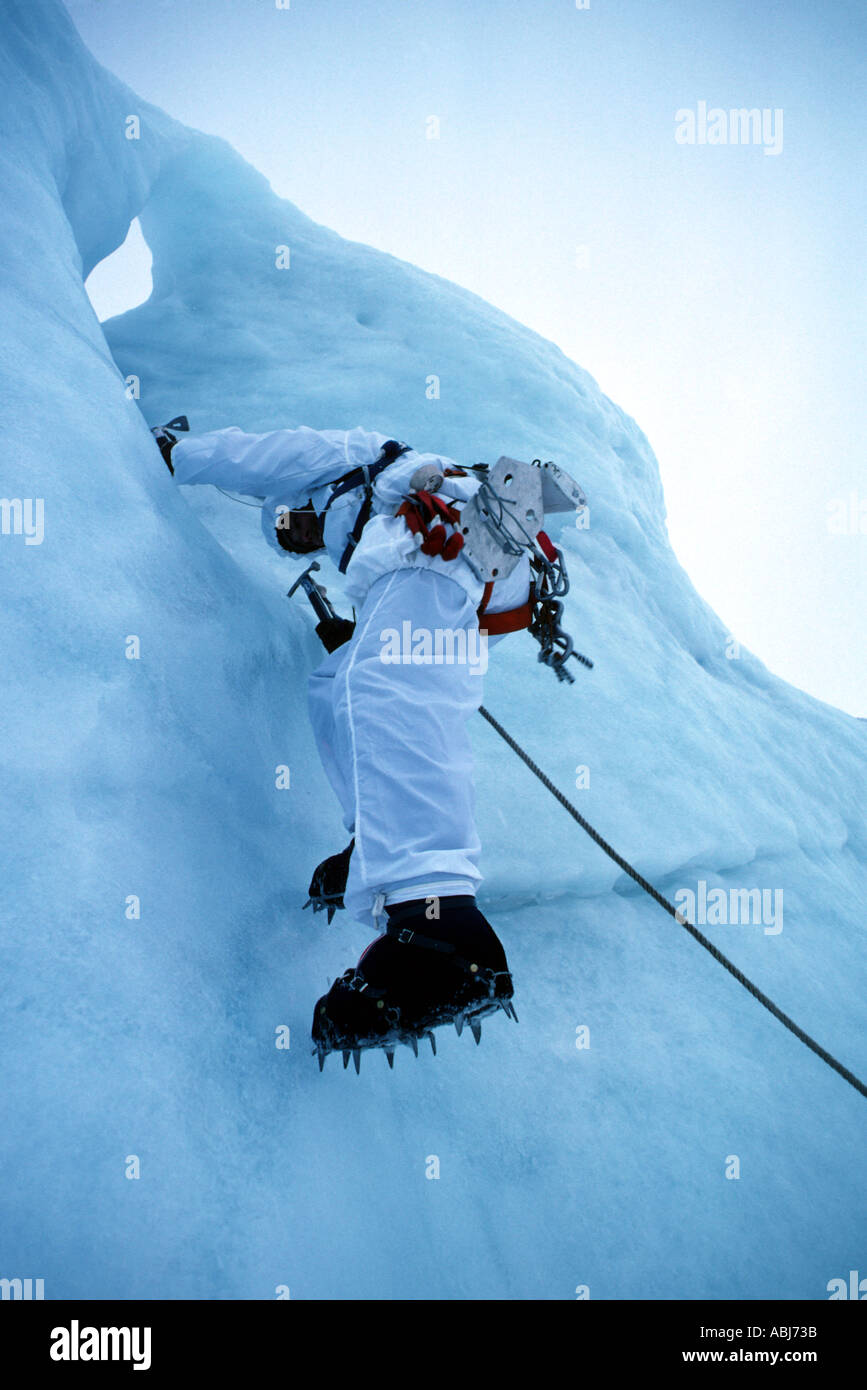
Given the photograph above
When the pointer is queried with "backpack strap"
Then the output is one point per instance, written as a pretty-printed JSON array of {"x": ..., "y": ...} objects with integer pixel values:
[{"x": 363, "y": 476}]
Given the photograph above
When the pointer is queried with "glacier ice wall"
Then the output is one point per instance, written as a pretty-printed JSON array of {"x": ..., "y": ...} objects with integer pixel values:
[{"x": 146, "y": 774}]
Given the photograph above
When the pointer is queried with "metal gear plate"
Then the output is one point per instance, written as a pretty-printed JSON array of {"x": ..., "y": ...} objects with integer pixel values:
[{"x": 509, "y": 509}]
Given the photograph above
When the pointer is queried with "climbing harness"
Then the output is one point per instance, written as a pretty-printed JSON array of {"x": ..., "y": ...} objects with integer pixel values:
[
  {"x": 502, "y": 523},
  {"x": 541, "y": 614}
]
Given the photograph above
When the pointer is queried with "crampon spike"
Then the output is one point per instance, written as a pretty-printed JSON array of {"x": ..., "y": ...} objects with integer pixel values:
[
  {"x": 476, "y": 1030},
  {"x": 459, "y": 1024},
  {"x": 413, "y": 1042},
  {"x": 389, "y": 1052},
  {"x": 345, "y": 1058},
  {"x": 433, "y": 1044},
  {"x": 356, "y": 1057},
  {"x": 321, "y": 1054}
]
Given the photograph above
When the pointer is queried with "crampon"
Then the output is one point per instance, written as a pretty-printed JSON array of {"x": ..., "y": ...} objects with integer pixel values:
[{"x": 421, "y": 975}]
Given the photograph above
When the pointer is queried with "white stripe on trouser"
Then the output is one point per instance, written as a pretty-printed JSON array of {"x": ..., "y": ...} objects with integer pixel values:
[{"x": 394, "y": 743}]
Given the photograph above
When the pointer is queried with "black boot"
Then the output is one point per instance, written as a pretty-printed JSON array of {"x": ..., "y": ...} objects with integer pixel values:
[
  {"x": 422, "y": 973},
  {"x": 328, "y": 883}
]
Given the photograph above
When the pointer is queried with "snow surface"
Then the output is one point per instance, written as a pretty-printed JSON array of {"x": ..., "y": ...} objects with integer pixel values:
[{"x": 155, "y": 1037}]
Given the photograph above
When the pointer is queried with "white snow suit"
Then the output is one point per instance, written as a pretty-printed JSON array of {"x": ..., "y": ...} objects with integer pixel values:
[{"x": 389, "y": 709}]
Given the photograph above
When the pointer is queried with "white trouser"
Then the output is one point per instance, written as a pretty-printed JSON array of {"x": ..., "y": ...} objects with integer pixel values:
[{"x": 394, "y": 742}]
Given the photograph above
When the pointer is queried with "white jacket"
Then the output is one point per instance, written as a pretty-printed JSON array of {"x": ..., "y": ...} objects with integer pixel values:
[{"x": 290, "y": 467}]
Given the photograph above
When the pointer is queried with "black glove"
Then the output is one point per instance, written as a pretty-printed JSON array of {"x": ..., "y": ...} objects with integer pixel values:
[
  {"x": 328, "y": 883},
  {"x": 333, "y": 632},
  {"x": 166, "y": 440},
  {"x": 166, "y": 443}
]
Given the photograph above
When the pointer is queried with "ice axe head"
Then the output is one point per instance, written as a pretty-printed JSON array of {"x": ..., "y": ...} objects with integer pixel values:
[{"x": 300, "y": 580}]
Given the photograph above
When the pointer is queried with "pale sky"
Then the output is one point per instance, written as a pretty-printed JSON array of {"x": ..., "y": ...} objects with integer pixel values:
[{"x": 715, "y": 292}]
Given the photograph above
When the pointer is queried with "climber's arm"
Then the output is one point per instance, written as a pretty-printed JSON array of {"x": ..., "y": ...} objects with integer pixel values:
[
  {"x": 414, "y": 471},
  {"x": 282, "y": 462}
]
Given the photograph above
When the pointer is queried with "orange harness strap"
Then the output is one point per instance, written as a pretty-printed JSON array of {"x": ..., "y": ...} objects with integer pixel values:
[{"x": 512, "y": 620}]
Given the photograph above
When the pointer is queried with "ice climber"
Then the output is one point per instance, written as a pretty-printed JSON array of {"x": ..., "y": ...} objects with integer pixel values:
[{"x": 389, "y": 717}]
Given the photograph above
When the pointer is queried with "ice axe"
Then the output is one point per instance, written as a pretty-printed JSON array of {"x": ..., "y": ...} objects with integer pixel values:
[{"x": 332, "y": 630}]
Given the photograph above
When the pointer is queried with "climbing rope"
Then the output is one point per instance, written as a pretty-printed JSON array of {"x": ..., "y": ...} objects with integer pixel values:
[{"x": 673, "y": 912}]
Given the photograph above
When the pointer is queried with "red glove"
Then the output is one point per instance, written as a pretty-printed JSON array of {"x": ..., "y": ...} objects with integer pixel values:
[{"x": 427, "y": 515}]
